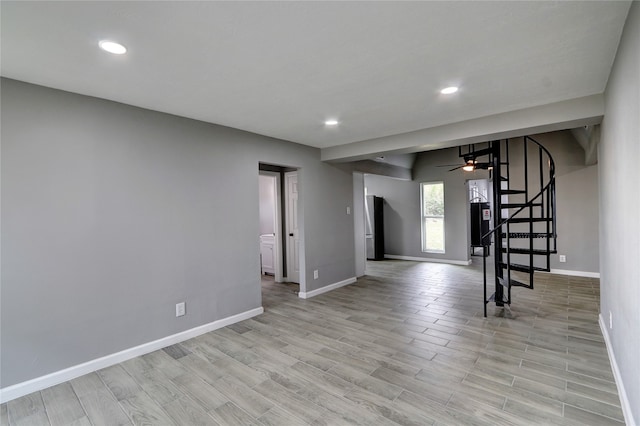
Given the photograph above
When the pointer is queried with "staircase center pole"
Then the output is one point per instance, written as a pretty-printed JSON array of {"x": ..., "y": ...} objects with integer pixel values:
[{"x": 497, "y": 214}]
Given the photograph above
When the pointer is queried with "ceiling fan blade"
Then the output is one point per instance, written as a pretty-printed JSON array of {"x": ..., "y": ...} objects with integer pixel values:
[
  {"x": 448, "y": 165},
  {"x": 456, "y": 168},
  {"x": 483, "y": 166}
]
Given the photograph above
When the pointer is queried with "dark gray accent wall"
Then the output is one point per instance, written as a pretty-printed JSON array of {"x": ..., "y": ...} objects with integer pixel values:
[
  {"x": 618, "y": 155},
  {"x": 112, "y": 214}
]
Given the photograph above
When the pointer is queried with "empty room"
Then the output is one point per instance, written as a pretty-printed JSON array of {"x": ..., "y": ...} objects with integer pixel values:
[{"x": 319, "y": 213}]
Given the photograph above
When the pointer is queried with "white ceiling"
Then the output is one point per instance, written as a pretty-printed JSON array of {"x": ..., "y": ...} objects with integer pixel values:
[{"x": 281, "y": 68}]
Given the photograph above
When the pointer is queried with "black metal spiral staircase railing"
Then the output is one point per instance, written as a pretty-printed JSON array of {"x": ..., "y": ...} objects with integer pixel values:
[{"x": 524, "y": 220}]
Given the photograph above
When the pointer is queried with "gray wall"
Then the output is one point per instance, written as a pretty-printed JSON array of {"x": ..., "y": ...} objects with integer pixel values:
[
  {"x": 618, "y": 154},
  {"x": 359, "y": 223},
  {"x": 577, "y": 203},
  {"x": 402, "y": 206},
  {"x": 577, "y": 199},
  {"x": 112, "y": 214}
]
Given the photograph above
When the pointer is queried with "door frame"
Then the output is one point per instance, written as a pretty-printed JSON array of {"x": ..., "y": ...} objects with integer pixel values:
[
  {"x": 489, "y": 199},
  {"x": 286, "y": 217},
  {"x": 277, "y": 218},
  {"x": 359, "y": 233}
]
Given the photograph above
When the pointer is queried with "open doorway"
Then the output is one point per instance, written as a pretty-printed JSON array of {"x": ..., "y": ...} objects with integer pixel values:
[
  {"x": 279, "y": 233},
  {"x": 481, "y": 214}
]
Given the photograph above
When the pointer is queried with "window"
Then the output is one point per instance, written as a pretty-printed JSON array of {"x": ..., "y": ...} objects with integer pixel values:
[{"x": 432, "y": 217}]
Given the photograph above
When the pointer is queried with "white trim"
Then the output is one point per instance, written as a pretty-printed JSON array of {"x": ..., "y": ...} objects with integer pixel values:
[
  {"x": 575, "y": 273},
  {"x": 308, "y": 294},
  {"x": 624, "y": 400},
  {"x": 20, "y": 389},
  {"x": 428, "y": 259}
]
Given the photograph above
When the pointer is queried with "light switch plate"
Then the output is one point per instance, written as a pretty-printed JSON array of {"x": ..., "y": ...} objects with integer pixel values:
[{"x": 180, "y": 309}]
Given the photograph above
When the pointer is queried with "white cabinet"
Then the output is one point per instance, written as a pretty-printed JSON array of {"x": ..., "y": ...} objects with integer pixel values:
[{"x": 267, "y": 255}]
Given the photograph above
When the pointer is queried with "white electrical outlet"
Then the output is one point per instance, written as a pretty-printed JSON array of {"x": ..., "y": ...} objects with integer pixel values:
[
  {"x": 563, "y": 258},
  {"x": 315, "y": 274},
  {"x": 348, "y": 210},
  {"x": 610, "y": 320},
  {"x": 180, "y": 309}
]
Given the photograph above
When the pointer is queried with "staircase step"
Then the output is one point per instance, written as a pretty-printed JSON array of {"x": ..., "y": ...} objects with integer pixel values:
[
  {"x": 518, "y": 205},
  {"x": 522, "y": 268},
  {"x": 528, "y": 251},
  {"x": 512, "y": 191},
  {"x": 513, "y": 283},
  {"x": 526, "y": 219},
  {"x": 527, "y": 235}
]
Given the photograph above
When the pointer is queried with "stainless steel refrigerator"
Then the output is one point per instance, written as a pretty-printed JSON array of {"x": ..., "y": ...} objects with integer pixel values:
[{"x": 374, "y": 227}]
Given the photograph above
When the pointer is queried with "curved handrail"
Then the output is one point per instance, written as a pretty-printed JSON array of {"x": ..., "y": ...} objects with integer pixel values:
[
  {"x": 529, "y": 203},
  {"x": 552, "y": 164}
]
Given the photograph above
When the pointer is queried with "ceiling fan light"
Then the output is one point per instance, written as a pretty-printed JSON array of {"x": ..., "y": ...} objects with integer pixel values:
[{"x": 469, "y": 167}]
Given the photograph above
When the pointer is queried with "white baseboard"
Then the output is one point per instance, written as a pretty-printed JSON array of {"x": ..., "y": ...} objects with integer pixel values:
[
  {"x": 308, "y": 294},
  {"x": 428, "y": 259},
  {"x": 43, "y": 382},
  {"x": 575, "y": 273},
  {"x": 624, "y": 400}
]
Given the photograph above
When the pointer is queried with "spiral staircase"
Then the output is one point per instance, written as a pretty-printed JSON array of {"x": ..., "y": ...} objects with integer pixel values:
[{"x": 524, "y": 220}]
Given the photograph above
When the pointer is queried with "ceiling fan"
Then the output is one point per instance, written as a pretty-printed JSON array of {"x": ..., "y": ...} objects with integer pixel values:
[{"x": 470, "y": 165}]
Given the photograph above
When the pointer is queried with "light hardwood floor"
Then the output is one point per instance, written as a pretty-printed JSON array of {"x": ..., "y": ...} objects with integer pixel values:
[{"x": 406, "y": 344}]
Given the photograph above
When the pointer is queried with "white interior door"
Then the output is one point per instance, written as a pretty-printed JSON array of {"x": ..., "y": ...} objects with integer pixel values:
[
  {"x": 293, "y": 243},
  {"x": 271, "y": 245}
]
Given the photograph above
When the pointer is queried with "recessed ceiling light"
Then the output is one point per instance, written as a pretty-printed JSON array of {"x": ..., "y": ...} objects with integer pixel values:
[
  {"x": 449, "y": 90},
  {"x": 331, "y": 122},
  {"x": 112, "y": 47}
]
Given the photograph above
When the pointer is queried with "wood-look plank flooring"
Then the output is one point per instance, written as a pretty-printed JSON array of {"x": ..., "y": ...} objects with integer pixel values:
[{"x": 405, "y": 345}]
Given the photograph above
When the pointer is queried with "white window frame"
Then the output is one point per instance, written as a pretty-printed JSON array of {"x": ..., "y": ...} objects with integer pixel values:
[{"x": 423, "y": 217}]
